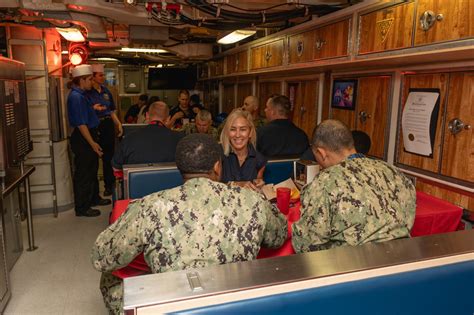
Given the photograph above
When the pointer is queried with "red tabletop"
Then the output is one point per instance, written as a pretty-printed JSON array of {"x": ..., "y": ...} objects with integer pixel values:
[{"x": 433, "y": 215}]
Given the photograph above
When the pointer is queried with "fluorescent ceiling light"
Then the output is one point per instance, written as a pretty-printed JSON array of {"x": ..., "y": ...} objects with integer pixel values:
[
  {"x": 142, "y": 50},
  {"x": 236, "y": 36},
  {"x": 64, "y": 52},
  {"x": 104, "y": 59},
  {"x": 71, "y": 34}
]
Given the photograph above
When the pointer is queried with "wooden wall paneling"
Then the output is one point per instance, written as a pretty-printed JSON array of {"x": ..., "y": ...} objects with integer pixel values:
[
  {"x": 386, "y": 29},
  {"x": 308, "y": 106},
  {"x": 326, "y": 96},
  {"x": 440, "y": 81},
  {"x": 274, "y": 54},
  {"x": 460, "y": 199},
  {"x": 458, "y": 149},
  {"x": 237, "y": 63},
  {"x": 219, "y": 69},
  {"x": 294, "y": 93},
  {"x": 265, "y": 89},
  {"x": 457, "y": 20},
  {"x": 242, "y": 61},
  {"x": 230, "y": 61},
  {"x": 212, "y": 68},
  {"x": 373, "y": 99},
  {"x": 229, "y": 98},
  {"x": 301, "y": 47},
  {"x": 331, "y": 40},
  {"x": 244, "y": 89},
  {"x": 344, "y": 115},
  {"x": 213, "y": 97},
  {"x": 257, "y": 57}
]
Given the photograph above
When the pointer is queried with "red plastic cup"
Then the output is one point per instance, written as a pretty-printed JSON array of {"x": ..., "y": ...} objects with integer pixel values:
[{"x": 283, "y": 199}]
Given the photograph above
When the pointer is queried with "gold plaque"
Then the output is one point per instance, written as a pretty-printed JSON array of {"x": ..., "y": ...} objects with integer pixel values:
[{"x": 384, "y": 26}]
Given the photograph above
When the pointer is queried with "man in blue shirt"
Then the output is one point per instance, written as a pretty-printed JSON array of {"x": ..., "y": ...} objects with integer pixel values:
[
  {"x": 84, "y": 141},
  {"x": 99, "y": 94}
]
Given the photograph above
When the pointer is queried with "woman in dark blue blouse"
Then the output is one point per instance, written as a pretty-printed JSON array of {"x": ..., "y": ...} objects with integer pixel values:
[{"x": 242, "y": 164}]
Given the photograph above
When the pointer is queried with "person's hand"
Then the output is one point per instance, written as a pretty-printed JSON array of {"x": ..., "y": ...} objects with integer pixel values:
[
  {"x": 99, "y": 107},
  {"x": 247, "y": 184},
  {"x": 120, "y": 130},
  {"x": 258, "y": 182},
  {"x": 177, "y": 116},
  {"x": 97, "y": 149}
]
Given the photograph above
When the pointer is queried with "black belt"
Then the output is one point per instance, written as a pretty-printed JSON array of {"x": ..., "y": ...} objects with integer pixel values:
[{"x": 104, "y": 118}]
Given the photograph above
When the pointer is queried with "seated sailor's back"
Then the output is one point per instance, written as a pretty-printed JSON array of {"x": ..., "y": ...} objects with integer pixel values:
[
  {"x": 354, "y": 199},
  {"x": 201, "y": 223},
  {"x": 153, "y": 144}
]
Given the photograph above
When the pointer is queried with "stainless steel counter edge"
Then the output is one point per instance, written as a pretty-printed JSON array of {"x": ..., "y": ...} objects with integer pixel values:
[{"x": 175, "y": 286}]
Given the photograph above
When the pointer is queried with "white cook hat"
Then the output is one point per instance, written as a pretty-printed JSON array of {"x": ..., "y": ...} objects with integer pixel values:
[
  {"x": 81, "y": 70},
  {"x": 97, "y": 67}
]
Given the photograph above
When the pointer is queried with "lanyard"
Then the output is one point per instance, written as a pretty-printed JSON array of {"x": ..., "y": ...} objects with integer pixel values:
[
  {"x": 355, "y": 156},
  {"x": 157, "y": 123}
]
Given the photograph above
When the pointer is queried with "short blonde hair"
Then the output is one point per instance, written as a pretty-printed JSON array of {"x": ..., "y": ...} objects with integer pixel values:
[
  {"x": 237, "y": 113},
  {"x": 204, "y": 115}
]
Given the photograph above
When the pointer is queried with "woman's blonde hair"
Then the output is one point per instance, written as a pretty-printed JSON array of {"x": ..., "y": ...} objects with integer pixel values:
[{"x": 237, "y": 113}]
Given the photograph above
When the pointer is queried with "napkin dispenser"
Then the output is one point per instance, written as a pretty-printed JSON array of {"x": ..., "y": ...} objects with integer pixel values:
[{"x": 304, "y": 171}]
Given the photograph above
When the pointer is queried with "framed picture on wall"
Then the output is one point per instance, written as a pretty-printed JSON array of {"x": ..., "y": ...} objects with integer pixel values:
[{"x": 344, "y": 94}]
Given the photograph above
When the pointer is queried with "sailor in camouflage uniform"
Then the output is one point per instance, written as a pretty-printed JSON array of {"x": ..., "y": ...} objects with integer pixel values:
[
  {"x": 201, "y": 223},
  {"x": 202, "y": 124},
  {"x": 250, "y": 105},
  {"x": 354, "y": 199}
]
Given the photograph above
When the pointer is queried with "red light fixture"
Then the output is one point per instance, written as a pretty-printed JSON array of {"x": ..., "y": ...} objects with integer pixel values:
[
  {"x": 75, "y": 59},
  {"x": 78, "y": 54}
]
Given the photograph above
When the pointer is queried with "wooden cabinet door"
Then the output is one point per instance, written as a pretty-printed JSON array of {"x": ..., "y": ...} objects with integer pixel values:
[
  {"x": 458, "y": 149},
  {"x": 456, "y": 20},
  {"x": 229, "y": 98},
  {"x": 237, "y": 63},
  {"x": 305, "y": 111},
  {"x": 257, "y": 57},
  {"x": 386, "y": 29},
  {"x": 274, "y": 54},
  {"x": 268, "y": 55},
  {"x": 301, "y": 47},
  {"x": 372, "y": 103},
  {"x": 332, "y": 40},
  {"x": 220, "y": 66},
  {"x": 439, "y": 81},
  {"x": 230, "y": 63},
  {"x": 265, "y": 89},
  {"x": 217, "y": 67},
  {"x": 244, "y": 89},
  {"x": 242, "y": 61}
]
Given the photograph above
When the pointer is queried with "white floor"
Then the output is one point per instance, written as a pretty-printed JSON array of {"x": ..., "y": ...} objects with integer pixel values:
[{"x": 58, "y": 277}]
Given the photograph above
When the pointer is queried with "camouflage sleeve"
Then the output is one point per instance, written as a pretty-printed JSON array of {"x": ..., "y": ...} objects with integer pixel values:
[
  {"x": 276, "y": 227},
  {"x": 215, "y": 134},
  {"x": 121, "y": 242},
  {"x": 312, "y": 231}
]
